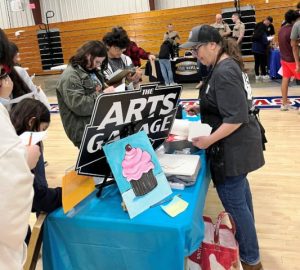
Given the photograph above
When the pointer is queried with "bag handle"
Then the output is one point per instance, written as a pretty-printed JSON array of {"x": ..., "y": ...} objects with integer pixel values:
[{"x": 221, "y": 216}]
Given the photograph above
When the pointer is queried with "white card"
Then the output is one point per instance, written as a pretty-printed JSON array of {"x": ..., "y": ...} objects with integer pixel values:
[
  {"x": 36, "y": 137},
  {"x": 197, "y": 129},
  {"x": 180, "y": 127},
  {"x": 120, "y": 88}
]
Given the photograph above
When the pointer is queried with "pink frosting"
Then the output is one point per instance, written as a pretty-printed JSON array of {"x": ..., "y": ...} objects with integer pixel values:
[{"x": 135, "y": 163}]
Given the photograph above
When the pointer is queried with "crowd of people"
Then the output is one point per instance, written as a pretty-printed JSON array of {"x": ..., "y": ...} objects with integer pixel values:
[{"x": 225, "y": 104}]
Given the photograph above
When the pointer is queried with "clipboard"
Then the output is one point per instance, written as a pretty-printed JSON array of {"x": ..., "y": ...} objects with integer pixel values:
[{"x": 118, "y": 76}]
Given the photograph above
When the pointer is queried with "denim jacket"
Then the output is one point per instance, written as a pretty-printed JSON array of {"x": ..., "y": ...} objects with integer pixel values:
[{"x": 76, "y": 95}]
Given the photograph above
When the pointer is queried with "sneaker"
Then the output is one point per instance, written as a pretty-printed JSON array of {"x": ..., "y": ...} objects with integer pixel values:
[
  {"x": 257, "y": 78},
  {"x": 286, "y": 107},
  {"x": 174, "y": 83},
  {"x": 266, "y": 78}
]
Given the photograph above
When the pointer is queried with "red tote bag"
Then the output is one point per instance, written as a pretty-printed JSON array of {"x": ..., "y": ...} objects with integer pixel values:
[{"x": 219, "y": 249}]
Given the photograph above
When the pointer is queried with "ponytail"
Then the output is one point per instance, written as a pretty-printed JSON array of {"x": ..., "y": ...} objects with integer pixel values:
[{"x": 230, "y": 47}]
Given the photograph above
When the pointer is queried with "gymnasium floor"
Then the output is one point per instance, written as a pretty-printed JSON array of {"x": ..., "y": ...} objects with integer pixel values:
[{"x": 275, "y": 187}]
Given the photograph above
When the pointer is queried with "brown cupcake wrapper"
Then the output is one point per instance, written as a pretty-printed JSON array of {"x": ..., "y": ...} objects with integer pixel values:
[{"x": 145, "y": 184}]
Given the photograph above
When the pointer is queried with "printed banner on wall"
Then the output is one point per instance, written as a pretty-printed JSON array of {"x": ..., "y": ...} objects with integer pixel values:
[{"x": 117, "y": 115}]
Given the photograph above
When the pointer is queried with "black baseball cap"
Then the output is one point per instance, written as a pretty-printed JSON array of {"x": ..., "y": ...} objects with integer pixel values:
[{"x": 202, "y": 34}]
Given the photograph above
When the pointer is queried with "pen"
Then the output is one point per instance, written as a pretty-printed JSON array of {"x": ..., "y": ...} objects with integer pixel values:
[
  {"x": 165, "y": 200},
  {"x": 30, "y": 139}
]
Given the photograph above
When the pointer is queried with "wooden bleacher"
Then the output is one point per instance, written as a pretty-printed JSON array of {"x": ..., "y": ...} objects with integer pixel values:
[{"x": 145, "y": 28}]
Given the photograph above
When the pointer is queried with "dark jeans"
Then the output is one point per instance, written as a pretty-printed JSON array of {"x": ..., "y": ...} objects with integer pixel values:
[
  {"x": 260, "y": 63},
  {"x": 236, "y": 198}
]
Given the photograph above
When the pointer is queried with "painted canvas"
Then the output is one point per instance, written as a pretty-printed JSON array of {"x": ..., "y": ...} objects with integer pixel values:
[{"x": 137, "y": 172}]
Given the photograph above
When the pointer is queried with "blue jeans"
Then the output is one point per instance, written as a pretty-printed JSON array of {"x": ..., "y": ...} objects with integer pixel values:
[
  {"x": 236, "y": 198},
  {"x": 166, "y": 71}
]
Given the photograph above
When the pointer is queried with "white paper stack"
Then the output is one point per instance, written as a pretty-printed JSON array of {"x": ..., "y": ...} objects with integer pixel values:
[
  {"x": 197, "y": 129},
  {"x": 184, "y": 129},
  {"x": 184, "y": 167},
  {"x": 180, "y": 128}
]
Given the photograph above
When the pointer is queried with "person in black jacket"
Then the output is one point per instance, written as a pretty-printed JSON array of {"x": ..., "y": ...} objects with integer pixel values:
[
  {"x": 165, "y": 53},
  {"x": 259, "y": 49},
  {"x": 33, "y": 115}
]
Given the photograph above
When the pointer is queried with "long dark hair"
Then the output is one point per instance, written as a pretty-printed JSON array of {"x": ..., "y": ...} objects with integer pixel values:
[
  {"x": 13, "y": 48},
  {"x": 5, "y": 57},
  {"x": 20, "y": 88},
  {"x": 94, "y": 47},
  {"x": 23, "y": 111}
]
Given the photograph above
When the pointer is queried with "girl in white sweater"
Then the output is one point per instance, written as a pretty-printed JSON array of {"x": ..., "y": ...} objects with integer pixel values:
[{"x": 16, "y": 191}]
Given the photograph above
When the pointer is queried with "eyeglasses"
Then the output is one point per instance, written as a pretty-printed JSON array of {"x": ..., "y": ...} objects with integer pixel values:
[
  {"x": 195, "y": 49},
  {"x": 98, "y": 62}
]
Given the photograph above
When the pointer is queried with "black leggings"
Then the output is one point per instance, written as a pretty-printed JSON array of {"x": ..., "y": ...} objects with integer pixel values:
[{"x": 260, "y": 62}]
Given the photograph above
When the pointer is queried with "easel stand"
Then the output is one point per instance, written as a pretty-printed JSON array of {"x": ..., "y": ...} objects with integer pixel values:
[
  {"x": 127, "y": 131},
  {"x": 104, "y": 184}
]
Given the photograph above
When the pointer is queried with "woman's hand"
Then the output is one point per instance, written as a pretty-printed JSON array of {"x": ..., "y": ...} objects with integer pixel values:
[
  {"x": 6, "y": 87},
  {"x": 202, "y": 142},
  {"x": 223, "y": 131},
  {"x": 33, "y": 155},
  {"x": 193, "y": 109}
]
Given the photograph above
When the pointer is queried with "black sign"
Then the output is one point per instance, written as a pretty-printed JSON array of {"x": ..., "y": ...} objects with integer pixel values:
[
  {"x": 117, "y": 115},
  {"x": 184, "y": 70}
]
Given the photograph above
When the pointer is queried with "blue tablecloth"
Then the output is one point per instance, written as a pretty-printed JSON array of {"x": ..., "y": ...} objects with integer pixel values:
[
  {"x": 274, "y": 64},
  {"x": 102, "y": 236}
]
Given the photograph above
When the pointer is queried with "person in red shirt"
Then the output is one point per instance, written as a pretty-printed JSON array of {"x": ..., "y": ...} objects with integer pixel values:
[
  {"x": 137, "y": 53},
  {"x": 288, "y": 62}
]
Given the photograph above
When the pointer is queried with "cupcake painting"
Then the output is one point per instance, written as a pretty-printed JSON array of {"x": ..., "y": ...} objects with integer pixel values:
[{"x": 137, "y": 172}]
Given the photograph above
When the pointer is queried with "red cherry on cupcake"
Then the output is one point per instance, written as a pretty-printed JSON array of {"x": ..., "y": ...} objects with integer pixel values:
[{"x": 128, "y": 147}]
